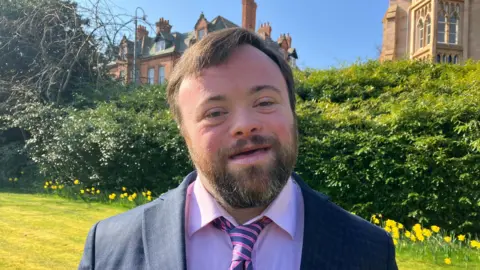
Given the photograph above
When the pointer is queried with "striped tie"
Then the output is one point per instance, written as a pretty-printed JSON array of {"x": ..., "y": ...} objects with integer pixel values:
[{"x": 243, "y": 239}]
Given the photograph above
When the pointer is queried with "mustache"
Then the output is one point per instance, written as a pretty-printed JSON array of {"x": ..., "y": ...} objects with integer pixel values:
[{"x": 254, "y": 140}]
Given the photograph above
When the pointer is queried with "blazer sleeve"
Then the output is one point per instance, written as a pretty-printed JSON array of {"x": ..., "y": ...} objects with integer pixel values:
[
  {"x": 88, "y": 258},
  {"x": 391, "y": 261}
]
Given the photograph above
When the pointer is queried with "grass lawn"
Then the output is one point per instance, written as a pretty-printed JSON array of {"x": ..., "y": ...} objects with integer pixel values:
[{"x": 48, "y": 232}]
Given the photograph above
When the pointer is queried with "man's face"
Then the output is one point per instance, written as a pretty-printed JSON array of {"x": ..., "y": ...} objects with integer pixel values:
[{"x": 239, "y": 128}]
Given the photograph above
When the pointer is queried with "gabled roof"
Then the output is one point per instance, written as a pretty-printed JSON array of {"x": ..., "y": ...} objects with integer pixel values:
[{"x": 219, "y": 23}]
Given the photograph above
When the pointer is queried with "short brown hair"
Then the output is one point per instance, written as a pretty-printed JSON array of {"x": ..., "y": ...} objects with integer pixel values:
[{"x": 215, "y": 49}]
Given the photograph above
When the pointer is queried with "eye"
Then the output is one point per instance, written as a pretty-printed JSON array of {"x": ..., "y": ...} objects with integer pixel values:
[
  {"x": 265, "y": 103},
  {"x": 215, "y": 114}
]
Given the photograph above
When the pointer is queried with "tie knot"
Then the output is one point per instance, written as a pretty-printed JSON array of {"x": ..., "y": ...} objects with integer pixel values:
[{"x": 243, "y": 237}]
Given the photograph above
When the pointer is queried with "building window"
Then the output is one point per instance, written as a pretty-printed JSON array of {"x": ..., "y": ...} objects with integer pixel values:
[
  {"x": 441, "y": 28},
  {"x": 161, "y": 74},
  {"x": 455, "y": 59},
  {"x": 420, "y": 33},
  {"x": 439, "y": 58},
  {"x": 428, "y": 23},
  {"x": 151, "y": 74},
  {"x": 201, "y": 33},
  {"x": 453, "y": 30},
  {"x": 444, "y": 58},
  {"x": 160, "y": 45}
]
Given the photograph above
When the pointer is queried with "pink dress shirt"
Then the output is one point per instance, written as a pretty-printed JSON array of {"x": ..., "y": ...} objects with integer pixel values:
[{"x": 279, "y": 246}]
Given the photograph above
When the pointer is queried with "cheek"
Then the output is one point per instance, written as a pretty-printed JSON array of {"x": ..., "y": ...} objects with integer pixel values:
[{"x": 209, "y": 143}]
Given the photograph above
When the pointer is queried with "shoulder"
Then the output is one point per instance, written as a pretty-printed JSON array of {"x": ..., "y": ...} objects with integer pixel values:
[{"x": 124, "y": 226}]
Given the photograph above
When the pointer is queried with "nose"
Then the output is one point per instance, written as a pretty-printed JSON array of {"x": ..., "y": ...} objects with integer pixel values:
[{"x": 245, "y": 124}]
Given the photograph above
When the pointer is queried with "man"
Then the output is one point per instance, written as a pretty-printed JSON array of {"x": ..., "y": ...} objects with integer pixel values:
[{"x": 243, "y": 207}]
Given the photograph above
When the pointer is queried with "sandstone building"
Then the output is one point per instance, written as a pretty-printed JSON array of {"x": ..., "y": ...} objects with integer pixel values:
[
  {"x": 434, "y": 30},
  {"x": 156, "y": 56}
]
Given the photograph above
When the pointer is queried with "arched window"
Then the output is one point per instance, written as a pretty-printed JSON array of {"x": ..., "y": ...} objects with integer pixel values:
[
  {"x": 450, "y": 59},
  {"x": 439, "y": 58},
  {"x": 444, "y": 58},
  {"x": 453, "y": 29},
  {"x": 420, "y": 34},
  {"x": 455, "y": 59},
  {"x": 428, "y": 24},
  {"x": 441, "y": 28}
]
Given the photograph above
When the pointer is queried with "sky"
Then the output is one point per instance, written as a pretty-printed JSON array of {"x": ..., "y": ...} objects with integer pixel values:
[{"x": 325, "y": 33}]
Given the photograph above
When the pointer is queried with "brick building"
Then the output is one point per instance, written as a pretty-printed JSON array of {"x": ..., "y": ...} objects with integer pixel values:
[
  {"x": 433, "y": 30},
  {"x": 156, "y": 56}
]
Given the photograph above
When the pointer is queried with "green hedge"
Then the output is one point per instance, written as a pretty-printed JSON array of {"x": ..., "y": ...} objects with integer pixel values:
[{"x": 401, "y": 139}]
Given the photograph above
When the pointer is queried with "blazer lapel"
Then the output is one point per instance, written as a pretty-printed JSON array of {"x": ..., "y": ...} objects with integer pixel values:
[
  {"x": 164, "y": 229},
  {"x": 319, "y": 234}
]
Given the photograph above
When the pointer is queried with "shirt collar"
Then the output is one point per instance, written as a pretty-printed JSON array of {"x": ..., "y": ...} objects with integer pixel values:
[{"x": 204, "y": 209}]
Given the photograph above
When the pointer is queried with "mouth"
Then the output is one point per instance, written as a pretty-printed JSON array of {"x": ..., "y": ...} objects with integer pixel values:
[{"x": 250, "y": 152}]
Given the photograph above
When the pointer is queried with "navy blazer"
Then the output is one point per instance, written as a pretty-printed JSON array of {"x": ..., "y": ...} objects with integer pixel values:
[{"x": 152, "y": 236}]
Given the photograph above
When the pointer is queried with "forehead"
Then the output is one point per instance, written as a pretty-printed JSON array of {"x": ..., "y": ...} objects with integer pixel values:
[{"x": 245, "y": 68}]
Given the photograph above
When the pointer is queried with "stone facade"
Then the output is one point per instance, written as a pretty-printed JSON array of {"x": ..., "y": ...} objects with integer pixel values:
[
  {"x": 446, "y": 31},
  {"x": 156, "y": 56}
]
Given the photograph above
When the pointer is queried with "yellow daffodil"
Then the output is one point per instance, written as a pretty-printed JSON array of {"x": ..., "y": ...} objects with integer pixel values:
[
  {"x": 475, "y": 244},
  {"x": 46, "y": 183},
  {"x": 144, "y": 194},
  {"x": 447, "y": 239},
  {"x": 76, "y": 182},
  {"x": 134, "y": 195},
  {"x": 388, "y": 229},
  {"x": 112, "y": 196},
  {"x": 413, "y": 238},
  {"x": 396, "y": 235},
  {"x": 395, "y": 242},
  {"x": 15, "y": 180},
  {"x": 88, "y": 190},
  {"x": 400, "y": 225},
  {"x": 427, "y": 232},
  {"x": 461, "y": 237},
  {"x": 122, "y": 196},
  {"x": 448, "y": 261},
  {"x": 435, "y": 228},
  {"x": 98, "y": 191},
  {"x": 125, "y": 194},
  {"x": 149, "y": 193},
  {"x": 380, "y": 215},
  {"x": 45, "y": 187},
  {"x": 93, "y": 189},
  {"x": 10, "y": 179},
  {"x": 149, "y": 198},
  {"x": 417, "y": 227},
  {"x": 82, "y": 191},
  {"x": 408, "y": 234},
  {"x": 50, "y": 182},
  {"x": 391, "y": 223},
  {"x": 421, "y": 238},
  {"x": 124, "y": 189},
  {"x": 130, "y": 198},
  {"x": 376, "y": 221}
]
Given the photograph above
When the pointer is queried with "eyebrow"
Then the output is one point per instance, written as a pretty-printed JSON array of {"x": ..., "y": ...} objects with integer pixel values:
[{"x": 253, "y": 90}]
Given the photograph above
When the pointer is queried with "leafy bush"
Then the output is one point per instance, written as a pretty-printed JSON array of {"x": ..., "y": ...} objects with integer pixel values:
[
  {"x": 402, "y": 139},
  {"x": 131, "y": 142}
]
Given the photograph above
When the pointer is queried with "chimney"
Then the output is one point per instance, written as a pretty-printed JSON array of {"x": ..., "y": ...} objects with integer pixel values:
[
  {"x": 289, "y": 40},
  {"x": 141, "y": 32},
  {"x": 249, "y": 14},
  {"x": 163, "y": 26},
  {"x": 265, "y": 30}
]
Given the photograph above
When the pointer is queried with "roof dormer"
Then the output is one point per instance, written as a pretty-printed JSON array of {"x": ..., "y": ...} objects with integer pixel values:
[{"x": 201, "y": 27}]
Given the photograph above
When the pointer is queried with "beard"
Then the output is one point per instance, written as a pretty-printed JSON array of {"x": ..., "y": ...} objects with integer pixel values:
[{"x": 249, "y": 186}]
